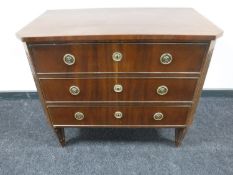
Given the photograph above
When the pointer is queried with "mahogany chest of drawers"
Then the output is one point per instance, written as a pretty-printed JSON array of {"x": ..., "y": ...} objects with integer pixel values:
[{"x": 120, "y": 67}]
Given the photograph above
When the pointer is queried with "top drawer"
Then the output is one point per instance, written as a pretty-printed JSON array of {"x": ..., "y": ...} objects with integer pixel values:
[{"x": 118, "y": 57}]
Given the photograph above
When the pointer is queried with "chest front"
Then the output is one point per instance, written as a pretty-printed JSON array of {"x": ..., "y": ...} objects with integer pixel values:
[{"x": 119, "y": 72}]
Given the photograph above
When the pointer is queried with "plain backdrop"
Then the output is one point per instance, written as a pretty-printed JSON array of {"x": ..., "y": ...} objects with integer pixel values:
[{"x": 15, "y": 73}]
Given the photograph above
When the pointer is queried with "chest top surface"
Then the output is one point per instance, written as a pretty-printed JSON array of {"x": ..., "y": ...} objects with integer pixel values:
[{"x": 119, "y": 24}]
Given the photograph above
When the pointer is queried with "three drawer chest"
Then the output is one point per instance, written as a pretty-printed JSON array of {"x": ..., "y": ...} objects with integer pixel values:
[{"x": 130, "y": 67}]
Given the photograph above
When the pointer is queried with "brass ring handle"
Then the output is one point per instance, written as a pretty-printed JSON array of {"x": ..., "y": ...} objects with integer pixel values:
[
  {"x": 69, "y": 59},
  {"x": 79, "y": 116},
  {"x": 166, "y": 58},
  {"x": 118, "y": 115},
  {"x": 118, "y": 88},
  {"x": 117, "y": 56},
  {"x": 158, "y": 116},
  {"x": 74, "y": 90},
  {"x": 162, "y": 90}
]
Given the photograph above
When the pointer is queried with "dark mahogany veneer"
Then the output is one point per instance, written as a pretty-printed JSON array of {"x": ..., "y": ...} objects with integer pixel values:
[{"x": 135, "y": 89}]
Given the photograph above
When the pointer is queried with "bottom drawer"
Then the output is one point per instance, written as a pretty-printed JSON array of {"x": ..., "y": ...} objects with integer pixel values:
[{"x": 127, "y": 115}]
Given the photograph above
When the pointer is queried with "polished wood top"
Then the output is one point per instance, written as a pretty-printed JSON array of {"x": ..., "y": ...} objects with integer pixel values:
[{"x": 120, "y": 24}]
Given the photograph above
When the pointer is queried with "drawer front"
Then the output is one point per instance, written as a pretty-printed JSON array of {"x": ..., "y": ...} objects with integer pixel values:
[
  {"x": 128, "y": 115},
  {"x": 145, "y": 57},
  {"x": 119, "y": 89}
]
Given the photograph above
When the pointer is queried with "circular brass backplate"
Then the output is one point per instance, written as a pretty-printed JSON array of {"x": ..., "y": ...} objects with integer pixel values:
[
  {"x": 117, "y": 56},
  {"x": 118, "y": 115},
  {"x": 79, "y": 116},
  {"x": 74, "y": 90},
  {"x": 166, "y": 58},
  {"x": 69, "y": 59},
  {"x": 158, "y": 116},
  {"x": 162, "y": 90}
]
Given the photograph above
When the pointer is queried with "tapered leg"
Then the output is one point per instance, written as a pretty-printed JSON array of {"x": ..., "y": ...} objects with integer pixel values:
[
  {"x": 179, "y": 135},
  {"x": 61, "y": 135}
]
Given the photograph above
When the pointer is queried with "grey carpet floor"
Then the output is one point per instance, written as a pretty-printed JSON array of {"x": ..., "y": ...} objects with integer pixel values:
[{"x": 28, "y": 145}]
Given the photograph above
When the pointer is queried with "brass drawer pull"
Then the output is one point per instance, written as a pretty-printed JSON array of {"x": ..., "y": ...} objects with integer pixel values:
[
  {"x": 74, "y": 90},
  {"x": 162, "y": 90},
  {"x": 117, "y": 56},
  {"x": 118, "y": 115},
  {"x": 166, "y": 58},
  {"x": 158, "y": 116},
  {"x": 69, "y": 59},
  {"x": 79, "y": 116},
  {"x": 118, "y": 88}
]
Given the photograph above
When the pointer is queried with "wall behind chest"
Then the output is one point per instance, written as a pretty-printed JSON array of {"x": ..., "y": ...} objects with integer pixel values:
[{"x": 15, "y": 74}]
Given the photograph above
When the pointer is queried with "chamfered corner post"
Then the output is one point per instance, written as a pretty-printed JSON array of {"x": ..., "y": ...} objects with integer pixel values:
[
  {"x": 60, "y": 132},
  {"x": 179, "y": 135}
]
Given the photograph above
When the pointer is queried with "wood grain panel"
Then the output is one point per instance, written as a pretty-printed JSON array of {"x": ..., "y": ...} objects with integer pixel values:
[
  {"x": 131, "y": 115},
  {"x": 120, "y": 24},
  {"x": 144, "y": 57},
  {"x": 134, "y": 89}
]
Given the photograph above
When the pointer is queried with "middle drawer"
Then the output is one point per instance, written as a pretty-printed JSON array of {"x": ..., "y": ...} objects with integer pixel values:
[{"x": 118, "y": 89}]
